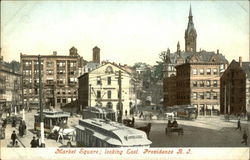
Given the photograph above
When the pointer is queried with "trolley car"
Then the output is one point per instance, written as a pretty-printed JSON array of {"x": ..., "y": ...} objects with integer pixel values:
[
  {"x": 99, "y": 112},
  {"x": 51, "y": 119},
  {"x": 103, "y": 133}
]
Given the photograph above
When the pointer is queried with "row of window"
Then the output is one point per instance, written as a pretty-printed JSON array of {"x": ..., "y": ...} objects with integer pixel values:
[
  {"x": 205, "y": 95},
  {"x": 109, "y": 94},
  {"x": 208, "y": 71},
  {"x": 207, "y": 83},
  {"x": 99, "y": 81}
]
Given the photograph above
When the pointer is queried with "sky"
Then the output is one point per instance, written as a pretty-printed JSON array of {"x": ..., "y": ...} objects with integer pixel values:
[{"x": 125, "y": 31}]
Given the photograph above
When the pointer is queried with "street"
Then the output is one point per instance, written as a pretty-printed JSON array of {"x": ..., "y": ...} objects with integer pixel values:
[{"x": 203, "y": 132}]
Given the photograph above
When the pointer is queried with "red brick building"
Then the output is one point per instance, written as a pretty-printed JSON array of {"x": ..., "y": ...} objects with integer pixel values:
[{"x": 234, "y": 88}]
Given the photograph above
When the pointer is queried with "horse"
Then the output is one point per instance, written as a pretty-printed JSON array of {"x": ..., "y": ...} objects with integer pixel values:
[
  {"x": 170, "y": 114},
  {"x": 63, "y": 132},
  {"x": 146, "y": 129}
]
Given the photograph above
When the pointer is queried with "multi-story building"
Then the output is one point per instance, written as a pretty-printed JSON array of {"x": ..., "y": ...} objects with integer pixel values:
[
  {"x": 235, "y": 88},
  {"x": 10, "y": 91},
  {"x": 59, "y": 78},
  {"x": 196, "y": 84},
  {"x": 100, "y": 87}
]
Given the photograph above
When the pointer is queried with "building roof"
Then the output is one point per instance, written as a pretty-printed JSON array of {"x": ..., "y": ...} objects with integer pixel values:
[
  {"x": 114, "y": 133},
  {"x": 203, "y": 56}
]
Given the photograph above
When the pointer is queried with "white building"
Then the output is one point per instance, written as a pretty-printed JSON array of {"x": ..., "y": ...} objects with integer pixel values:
[{"x": 100, "y": 87}]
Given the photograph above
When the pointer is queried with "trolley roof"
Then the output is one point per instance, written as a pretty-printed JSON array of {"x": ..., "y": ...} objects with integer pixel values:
[
  {"x": 53, "y": 114},
  {"x": 114, "y": 133}
]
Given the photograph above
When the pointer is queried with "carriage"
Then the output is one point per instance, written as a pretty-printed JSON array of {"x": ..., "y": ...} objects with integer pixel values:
[{"x": 179, "y": 130}]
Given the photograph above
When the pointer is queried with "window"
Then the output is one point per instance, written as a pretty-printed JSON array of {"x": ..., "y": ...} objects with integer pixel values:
[
  {"x": 109, "y": 80},
  {"x": 58, "y": 100},
  {"x": 202, "y": 71},
  {"x": 98, "y": 94},
  {"x": 109, "y": 94},
  {"x": 222, "y": 66},
  {"x": 194, "y": 95},
  {"x": 98, "y": 82},
  {"x": 49, "y": 64},
  {"x": 208, "y": 83},
  {"x": 208, "y": 71},
  {"x": 195, "y": 83},
  {"x": 202, "y": 95},
  {"x": 64, "y": 100},
  {"x": 208, "y": 94},
  {"x": 215, "y": 96},
  {"x": 194, "y": 71},
  {"x": 201, "y": 83},
  {"x": 50, "y": 72},
  {"x": 215, "y": 83},
  {"x": 215, "y": 71}
]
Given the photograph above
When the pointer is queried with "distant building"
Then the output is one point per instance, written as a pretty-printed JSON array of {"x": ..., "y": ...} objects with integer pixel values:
[
  {"x": 100, "y": 87},
  {"x": 10, "y": 91},
  {"x": 235, "y": 88},
  {"x": 197, "y": 80},
  {"x": 59, "y": 78}
]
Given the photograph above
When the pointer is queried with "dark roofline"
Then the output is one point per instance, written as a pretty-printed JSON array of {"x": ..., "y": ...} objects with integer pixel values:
[
  {"x": 85, "y": 74},
  {"x": 17, "y": 74}
]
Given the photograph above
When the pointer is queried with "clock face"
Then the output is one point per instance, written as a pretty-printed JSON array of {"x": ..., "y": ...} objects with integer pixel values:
[{"x": 109, "y": 69}]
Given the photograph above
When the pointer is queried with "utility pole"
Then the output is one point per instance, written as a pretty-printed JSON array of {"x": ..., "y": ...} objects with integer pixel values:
[
  {"x": 90, "y": 95},
  {"x": 22, "y": 92},
  {"x": 120, "y": 97},
  {"x": 225, "y": 99},
  {"x": 40, "y": 103}
]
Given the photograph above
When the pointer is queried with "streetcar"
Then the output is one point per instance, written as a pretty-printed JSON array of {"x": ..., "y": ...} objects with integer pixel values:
[
  {"x": 104, "y": 133},
  {"x": 99, "y": 112},
  {"x": 51, "y": 119}
]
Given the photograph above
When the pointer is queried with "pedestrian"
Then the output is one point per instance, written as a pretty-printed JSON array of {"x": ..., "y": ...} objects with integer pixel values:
[
  {"x": 133, "y": 121},
  {"x": 169, "y": 124},
  {"x": 24, "y": 127},
  {"x": 33, "y": 142},
  {"x": 13, "y": 122},
  {"x": 13, "y": 138},
  {"x": 37, "y": 142},
  {"x": 244, "y": 137},
  {"x": 238, "y": 125},
  {"x": 20, "y": 129}
]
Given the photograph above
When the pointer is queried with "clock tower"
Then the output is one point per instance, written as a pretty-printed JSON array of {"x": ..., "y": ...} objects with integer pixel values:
[{"x": 190, "y": 34}]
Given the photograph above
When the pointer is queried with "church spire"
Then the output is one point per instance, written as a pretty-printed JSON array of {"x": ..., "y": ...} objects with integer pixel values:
[
  {"x": 190, "y": 11},
  {"x": 190, "y": 34}
]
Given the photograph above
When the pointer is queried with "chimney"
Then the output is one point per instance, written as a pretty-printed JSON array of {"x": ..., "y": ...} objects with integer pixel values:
[
  {"x": 54, "y": 53},
  {"x": 218, "y": 52},
  {"x": 240, "y": 61}
]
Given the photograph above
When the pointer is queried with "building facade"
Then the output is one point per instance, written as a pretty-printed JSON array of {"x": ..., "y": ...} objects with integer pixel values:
[
  {"x": 10, "y": 91},
  {"x": 100, "y": 87},
  {"x": 235, "y": 88},
  {"x": 59, "y": 78},
  {"x": 198, "y": 84}
]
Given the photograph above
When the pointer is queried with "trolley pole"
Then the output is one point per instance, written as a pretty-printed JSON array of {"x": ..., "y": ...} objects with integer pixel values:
[
  {"x": 120, "y": 97},
  {"x": 40, "y": 103}
]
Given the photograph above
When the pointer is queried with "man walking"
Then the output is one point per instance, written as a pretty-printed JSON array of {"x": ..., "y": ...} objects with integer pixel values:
[
  {"x": 13, "y": 138},
  {"x": 244, "y": 137},
  {"x": 238, "y": 125}
]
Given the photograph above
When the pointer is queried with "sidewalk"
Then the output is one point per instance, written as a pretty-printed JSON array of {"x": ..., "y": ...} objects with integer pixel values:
[{"x": 26, "y": 139}]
